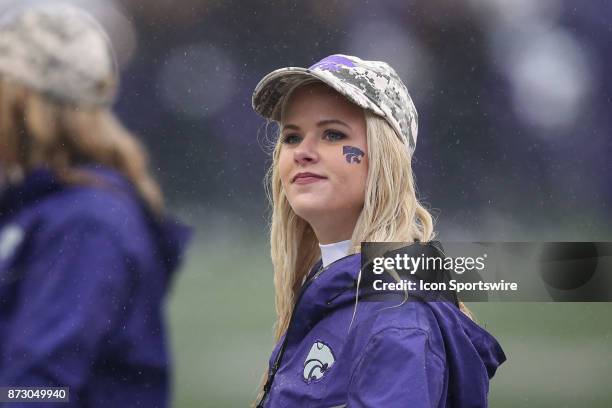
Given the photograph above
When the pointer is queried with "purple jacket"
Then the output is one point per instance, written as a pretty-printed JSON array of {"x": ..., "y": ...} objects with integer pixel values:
[
  {"x": 419, "y": 354},
  {"x": 83, "y": 274}
]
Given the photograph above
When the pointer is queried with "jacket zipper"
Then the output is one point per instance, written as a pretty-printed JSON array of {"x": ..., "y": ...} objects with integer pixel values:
[{"x": 279, "y": 357}]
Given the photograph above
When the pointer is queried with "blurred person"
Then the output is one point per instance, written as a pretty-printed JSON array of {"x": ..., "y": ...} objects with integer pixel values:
[
  {"x": 341, "y": 175},
  {"x": 86, "y": 251}
]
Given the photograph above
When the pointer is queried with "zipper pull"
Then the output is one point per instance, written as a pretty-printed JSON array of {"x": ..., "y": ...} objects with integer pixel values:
[{"x": 319, "y": 272}]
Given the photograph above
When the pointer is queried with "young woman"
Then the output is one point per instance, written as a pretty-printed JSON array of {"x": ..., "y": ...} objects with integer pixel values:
[
  {"x": 86, "y": 253},
  {"x": 341, "y": 175}
]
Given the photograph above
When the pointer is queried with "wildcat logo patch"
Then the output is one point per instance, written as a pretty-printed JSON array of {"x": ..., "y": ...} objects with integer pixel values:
[{"x": 319, "y": 360}]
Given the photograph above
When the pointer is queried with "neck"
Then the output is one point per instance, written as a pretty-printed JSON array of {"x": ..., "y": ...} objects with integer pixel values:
[{"x": 329, "y": 233}]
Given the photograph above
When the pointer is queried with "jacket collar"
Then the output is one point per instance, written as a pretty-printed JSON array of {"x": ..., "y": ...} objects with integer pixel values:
[{"x": 322, "y": 288}]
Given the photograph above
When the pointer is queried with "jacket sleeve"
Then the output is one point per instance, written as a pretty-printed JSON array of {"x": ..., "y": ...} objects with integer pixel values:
[
  {"x": 72, "y": 293},
  {"x": 397, "y": 369}
]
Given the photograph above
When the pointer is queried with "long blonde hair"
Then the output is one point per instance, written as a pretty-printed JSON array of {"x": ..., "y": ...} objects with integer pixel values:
[
  {"x": 37, "y": 131},
  {"x": 391, "y": 213}
]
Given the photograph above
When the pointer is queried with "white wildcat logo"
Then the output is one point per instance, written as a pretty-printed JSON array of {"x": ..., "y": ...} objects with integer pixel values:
[{"x": 318, "y": 362}]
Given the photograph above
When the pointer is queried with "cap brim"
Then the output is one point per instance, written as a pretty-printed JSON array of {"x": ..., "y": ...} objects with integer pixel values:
[{"x": 271, "y": 90}]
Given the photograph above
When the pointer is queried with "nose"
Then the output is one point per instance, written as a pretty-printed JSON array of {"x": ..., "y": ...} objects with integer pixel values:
[{"x": 306, "y": 152}]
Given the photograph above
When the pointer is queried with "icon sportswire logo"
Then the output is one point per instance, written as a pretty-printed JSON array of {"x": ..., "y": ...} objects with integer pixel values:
[{"x": 319, "y": 360}]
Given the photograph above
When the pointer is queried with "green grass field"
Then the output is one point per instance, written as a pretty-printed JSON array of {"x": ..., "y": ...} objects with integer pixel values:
[{"x": 221, "y": 314}]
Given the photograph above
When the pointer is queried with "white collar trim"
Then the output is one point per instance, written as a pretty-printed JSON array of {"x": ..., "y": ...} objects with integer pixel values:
[{"x": 332, "y": 252}]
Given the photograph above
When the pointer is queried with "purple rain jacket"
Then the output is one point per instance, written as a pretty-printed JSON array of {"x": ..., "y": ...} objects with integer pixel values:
[
  {"x": 83, "y": 273},
  {"x": 417, "y": 355}
]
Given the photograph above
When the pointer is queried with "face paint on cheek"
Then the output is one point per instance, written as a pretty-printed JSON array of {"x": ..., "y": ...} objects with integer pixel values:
[{"x": 352, "y": 154}]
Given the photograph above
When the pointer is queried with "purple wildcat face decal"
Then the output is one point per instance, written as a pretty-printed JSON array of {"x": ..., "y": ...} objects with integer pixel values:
[
  {"x": 333, "y": 63},
  {"x": 352, "y": 154}
]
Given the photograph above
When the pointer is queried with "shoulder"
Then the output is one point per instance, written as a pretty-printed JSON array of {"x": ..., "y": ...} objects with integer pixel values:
[
  {"x": 104, "y": 204},
  {"x": 404, "y": 342},
  {"x": 409, "y": 315},
  {"x": 91, "y": 209},
  {"x": 402, "y": 325}
]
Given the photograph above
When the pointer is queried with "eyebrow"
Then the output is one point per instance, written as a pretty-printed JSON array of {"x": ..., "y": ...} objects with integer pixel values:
[{"x": 319, "y": 124}]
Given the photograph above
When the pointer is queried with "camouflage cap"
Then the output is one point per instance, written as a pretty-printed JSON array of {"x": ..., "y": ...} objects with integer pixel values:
[
  {"x": 372, "y": 85},
  {"x": 59, "y": 51}
]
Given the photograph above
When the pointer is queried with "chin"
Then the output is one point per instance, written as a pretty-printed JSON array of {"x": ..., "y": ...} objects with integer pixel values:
[{"x": 308, "y": 208}]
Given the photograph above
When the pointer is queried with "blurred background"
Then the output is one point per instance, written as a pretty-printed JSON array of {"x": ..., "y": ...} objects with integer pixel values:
[{"x": 515, "y": 144}]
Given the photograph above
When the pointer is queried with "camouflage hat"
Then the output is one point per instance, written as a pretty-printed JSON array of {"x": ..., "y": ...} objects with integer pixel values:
[
  {"x": 59, "y": 51},
  {"x": 372, "y": 85}
]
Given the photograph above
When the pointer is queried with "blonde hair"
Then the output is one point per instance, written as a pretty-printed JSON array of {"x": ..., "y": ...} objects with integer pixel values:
[
  {"x": 37, "y": 131},
  {"x": 391, "y": 213}
]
